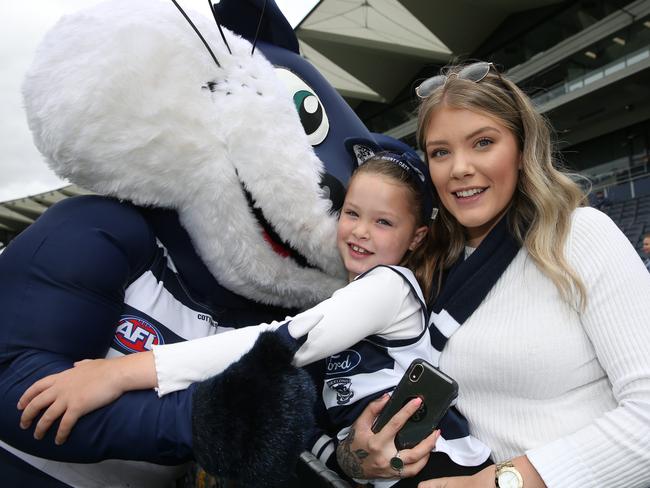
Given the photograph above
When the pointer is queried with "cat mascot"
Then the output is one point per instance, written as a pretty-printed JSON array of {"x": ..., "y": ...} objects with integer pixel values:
[{"x": 217, "y": 160}]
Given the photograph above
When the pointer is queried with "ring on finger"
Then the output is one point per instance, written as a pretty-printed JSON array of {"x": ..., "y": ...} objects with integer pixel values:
[{"x": 397, "y": 464}]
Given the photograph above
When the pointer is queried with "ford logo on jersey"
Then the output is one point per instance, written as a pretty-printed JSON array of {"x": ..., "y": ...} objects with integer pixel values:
[
  {"x": 342, "y": 362},
  {"x": 137, "y": 335}
]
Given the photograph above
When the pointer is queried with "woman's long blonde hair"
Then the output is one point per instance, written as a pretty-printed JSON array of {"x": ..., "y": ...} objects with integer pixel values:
[{"x": 545, "y": 196}]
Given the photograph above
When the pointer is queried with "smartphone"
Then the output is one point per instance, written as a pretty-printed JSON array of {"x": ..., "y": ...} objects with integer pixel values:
[{"x": 437, "y": 391}]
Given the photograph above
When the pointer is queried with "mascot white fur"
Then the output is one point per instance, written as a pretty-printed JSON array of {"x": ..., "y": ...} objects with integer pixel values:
[
  {"x": 218, "y": 169},
  {"x": 171, "y": 128}
]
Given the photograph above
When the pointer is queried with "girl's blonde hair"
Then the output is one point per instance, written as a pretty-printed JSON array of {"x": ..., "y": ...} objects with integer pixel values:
[
  {"x": 545, "y": 197},
  {"x": 416, "y": 260}
]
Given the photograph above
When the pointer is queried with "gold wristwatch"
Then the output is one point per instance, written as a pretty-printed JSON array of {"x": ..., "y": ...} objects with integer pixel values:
[{"x": 507, "y": 476}]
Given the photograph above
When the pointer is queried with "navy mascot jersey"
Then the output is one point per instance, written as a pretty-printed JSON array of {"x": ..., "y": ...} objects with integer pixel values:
[{"x": 129, "y": 294}]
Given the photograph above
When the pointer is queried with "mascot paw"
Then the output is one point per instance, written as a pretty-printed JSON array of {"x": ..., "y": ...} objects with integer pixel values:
[{"x": 250, "y": 423}]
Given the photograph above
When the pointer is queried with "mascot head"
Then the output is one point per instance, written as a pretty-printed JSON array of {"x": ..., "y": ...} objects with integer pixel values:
[{"x": 252, "y": 147}]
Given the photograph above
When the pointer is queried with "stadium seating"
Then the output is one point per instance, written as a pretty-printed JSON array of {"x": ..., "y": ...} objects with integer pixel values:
[{"x": 633, "y": 218}]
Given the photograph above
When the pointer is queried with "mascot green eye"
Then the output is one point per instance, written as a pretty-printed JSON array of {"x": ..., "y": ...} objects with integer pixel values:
[{"x": 309, "y": 107}]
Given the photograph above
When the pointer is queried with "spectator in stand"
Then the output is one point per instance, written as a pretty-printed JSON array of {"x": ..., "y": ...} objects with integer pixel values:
[
  {"x": 601, "y": 202},
  {"x": 646, "y": 249}
]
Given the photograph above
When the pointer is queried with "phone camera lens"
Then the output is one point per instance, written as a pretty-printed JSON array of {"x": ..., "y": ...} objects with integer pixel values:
[{"x": 416, "y": 372}]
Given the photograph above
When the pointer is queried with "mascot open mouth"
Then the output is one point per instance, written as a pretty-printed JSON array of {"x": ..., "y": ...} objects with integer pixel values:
[{"x": 278, "y": 245}]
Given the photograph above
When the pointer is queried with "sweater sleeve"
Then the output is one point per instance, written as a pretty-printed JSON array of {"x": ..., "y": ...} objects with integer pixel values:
[
  {"x": 180, "y": 364},
  {"x": 364, "y": 307},
  {"x": 614, "y": 449}
]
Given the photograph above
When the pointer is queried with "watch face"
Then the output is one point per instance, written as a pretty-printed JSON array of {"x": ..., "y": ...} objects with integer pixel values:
[{"x": 508, "y": 479}]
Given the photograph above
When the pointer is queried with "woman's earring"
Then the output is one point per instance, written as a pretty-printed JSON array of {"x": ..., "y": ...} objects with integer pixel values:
[{"x": 434, "y": 213}]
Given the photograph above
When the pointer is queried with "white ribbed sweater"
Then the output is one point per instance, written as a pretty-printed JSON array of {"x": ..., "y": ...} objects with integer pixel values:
[{"x": 569, "y": 389}]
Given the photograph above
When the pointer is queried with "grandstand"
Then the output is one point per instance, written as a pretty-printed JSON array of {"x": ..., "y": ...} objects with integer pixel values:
[
  {"x": 628, "y": 190},
  {"x": 586, "y": 64},
  {"x": 633, "y": 217},
  {"x": 16, "y": 215}
]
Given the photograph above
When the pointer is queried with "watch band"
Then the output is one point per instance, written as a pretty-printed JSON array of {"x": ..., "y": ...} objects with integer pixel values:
[{"x": 515, "y": 475}]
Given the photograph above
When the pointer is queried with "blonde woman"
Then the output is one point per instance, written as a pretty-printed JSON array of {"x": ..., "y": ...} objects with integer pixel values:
[{"x": 548, "y": 301}]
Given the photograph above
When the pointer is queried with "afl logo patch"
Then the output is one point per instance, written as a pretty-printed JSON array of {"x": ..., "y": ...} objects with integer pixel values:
[{"x": 137, "y": 335}]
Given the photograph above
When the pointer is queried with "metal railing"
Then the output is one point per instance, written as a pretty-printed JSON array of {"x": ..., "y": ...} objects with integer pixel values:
[{"x": 574, "y": 84}]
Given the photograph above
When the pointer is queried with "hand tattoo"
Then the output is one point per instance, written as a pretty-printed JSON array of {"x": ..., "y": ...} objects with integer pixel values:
[{"x": 351, "y": 462}]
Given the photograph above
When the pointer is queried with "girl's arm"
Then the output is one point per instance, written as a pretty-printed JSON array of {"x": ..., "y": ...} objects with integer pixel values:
[
  {"x": 94, "y": 383},
  {"x": 180, "y": 364},
  {"x": 364, "y": 307}
]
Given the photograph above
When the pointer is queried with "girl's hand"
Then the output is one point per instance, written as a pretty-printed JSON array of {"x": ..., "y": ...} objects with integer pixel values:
[
  {"x": 482, "y": 479},
  {"x": 72, "y": 393},
  {"x": 366, "y": 455}
]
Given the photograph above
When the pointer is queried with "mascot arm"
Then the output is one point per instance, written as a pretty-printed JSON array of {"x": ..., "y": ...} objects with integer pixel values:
[
  {"x": 61, "y": 294},
  {"x": 63, "y": 279}
]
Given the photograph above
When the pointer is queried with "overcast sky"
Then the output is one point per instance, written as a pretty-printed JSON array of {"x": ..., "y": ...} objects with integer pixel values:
[{"x": 23, "y": 171}]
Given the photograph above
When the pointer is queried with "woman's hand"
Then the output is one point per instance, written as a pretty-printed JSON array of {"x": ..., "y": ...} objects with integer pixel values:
[
  {"x": 89, "y": 385},
  {"x": 485, "y": 477},
  {"x": 482, "y": 479},
  {"x": 366, "y": 455}
]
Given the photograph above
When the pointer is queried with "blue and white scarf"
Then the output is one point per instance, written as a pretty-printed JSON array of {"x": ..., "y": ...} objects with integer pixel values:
[{"x": 465, "y": 286}]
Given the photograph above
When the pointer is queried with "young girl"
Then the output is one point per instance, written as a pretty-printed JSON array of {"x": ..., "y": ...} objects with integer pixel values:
[
  {"x": 369, "y": 331},
  {"x": 548, "y": 300}
]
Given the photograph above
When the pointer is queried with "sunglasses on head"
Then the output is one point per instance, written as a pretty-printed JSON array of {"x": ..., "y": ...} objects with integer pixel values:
[{"x": 473, "y": 72}]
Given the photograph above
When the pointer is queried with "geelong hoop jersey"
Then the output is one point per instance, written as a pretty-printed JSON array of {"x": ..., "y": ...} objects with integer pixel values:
[
  {"x": 375, "y": 365},
  {"x": 363, "y": 337},
  {"x": 158, "y": 309},
  {"x": 94, "y": 277}
]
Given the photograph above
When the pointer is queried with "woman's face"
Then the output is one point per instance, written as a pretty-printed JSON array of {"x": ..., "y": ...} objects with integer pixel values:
[{"x": 474, "y": 162}]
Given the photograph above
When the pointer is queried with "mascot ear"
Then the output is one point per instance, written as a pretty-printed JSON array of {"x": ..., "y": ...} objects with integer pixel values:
[{"x": 244, "y": 16}]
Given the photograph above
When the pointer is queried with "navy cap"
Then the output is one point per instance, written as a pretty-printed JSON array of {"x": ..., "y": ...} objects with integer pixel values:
[{"x": 418, "y": 171}]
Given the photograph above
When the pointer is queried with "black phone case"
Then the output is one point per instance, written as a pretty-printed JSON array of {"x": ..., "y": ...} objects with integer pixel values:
[{"x": 437, "y": 391}]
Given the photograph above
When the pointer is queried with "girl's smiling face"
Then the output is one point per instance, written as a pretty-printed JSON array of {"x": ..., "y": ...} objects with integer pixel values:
[
  {"x": 377, "y": 224},
  {"x": 474, "y": 161}
]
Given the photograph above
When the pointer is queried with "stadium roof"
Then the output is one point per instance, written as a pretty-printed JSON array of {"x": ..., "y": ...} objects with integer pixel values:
[
  {"x": 16, "y": 215},
  {"x": 371, "y": 49},
  {"x": 367, "y": 49}
]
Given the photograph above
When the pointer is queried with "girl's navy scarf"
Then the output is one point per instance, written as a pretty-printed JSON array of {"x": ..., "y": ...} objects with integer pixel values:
[{"x": 467, "y": 283}]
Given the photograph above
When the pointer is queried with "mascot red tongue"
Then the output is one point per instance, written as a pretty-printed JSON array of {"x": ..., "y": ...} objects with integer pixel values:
[{"x": 217, "y": 177}]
